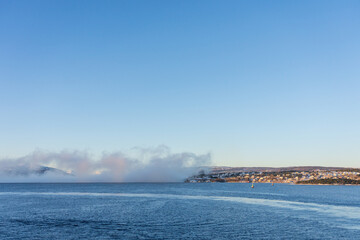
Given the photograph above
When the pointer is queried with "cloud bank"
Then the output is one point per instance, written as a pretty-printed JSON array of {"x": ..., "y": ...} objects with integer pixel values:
[{"x": 144, "y": 165}]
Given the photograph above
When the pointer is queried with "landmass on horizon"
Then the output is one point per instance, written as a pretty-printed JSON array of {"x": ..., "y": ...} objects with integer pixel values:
[{"x": 294, "y": 175}]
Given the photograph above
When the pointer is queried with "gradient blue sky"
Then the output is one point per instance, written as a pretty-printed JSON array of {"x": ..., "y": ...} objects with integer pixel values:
[{"x": 256, "y": 83}]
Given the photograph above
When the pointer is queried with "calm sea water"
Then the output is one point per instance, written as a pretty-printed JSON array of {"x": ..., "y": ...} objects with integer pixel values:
[{"x": 178, "y": 211}]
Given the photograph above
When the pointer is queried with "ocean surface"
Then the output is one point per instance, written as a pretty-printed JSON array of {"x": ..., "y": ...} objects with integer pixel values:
[{"x": 178, "y": 211}]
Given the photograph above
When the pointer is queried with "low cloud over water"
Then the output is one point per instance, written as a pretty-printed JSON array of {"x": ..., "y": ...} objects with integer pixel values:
[{"x": 143, "y": 165}]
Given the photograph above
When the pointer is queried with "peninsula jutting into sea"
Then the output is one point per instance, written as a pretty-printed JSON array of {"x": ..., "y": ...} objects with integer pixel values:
[{"x": 294, "y": 175}]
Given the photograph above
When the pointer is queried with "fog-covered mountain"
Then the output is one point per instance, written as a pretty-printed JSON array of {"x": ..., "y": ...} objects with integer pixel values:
[{"x": 26, "y": 170}]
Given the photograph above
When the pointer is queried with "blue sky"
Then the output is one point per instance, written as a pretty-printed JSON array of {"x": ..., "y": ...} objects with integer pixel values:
[{"x": 256, "y": 83}]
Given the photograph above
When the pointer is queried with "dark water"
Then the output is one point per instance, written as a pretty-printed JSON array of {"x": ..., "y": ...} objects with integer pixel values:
[{"x": 178, "y": 211}]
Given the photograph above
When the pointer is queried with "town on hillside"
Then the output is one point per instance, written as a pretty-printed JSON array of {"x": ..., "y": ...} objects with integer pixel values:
[{"x": 292, "y": 175}]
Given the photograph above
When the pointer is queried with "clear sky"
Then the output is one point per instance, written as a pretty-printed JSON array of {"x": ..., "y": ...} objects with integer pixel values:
[{"x": 256, "y": 83}]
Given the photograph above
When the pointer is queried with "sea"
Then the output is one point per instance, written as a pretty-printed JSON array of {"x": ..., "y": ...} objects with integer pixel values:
[{"x": 178, "y": 211}]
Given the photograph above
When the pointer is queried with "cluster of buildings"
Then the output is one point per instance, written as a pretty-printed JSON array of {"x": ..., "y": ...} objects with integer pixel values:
[{"x": 295, "y": 177}]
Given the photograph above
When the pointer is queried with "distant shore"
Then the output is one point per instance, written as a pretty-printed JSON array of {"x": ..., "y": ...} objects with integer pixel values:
[
  {"x": 330, "y": 181},
  {"x": 295, "y": 175}
]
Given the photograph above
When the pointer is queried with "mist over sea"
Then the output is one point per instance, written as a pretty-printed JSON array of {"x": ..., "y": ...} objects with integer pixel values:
[
  {"x": 178, "y": 211},
  {"x": 156, "y": 164}
]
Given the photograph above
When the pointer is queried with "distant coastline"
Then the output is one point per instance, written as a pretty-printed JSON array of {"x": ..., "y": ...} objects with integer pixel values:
[
  {"x": 330, "y": 181},
  {"x": 305, "y": 175}
]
